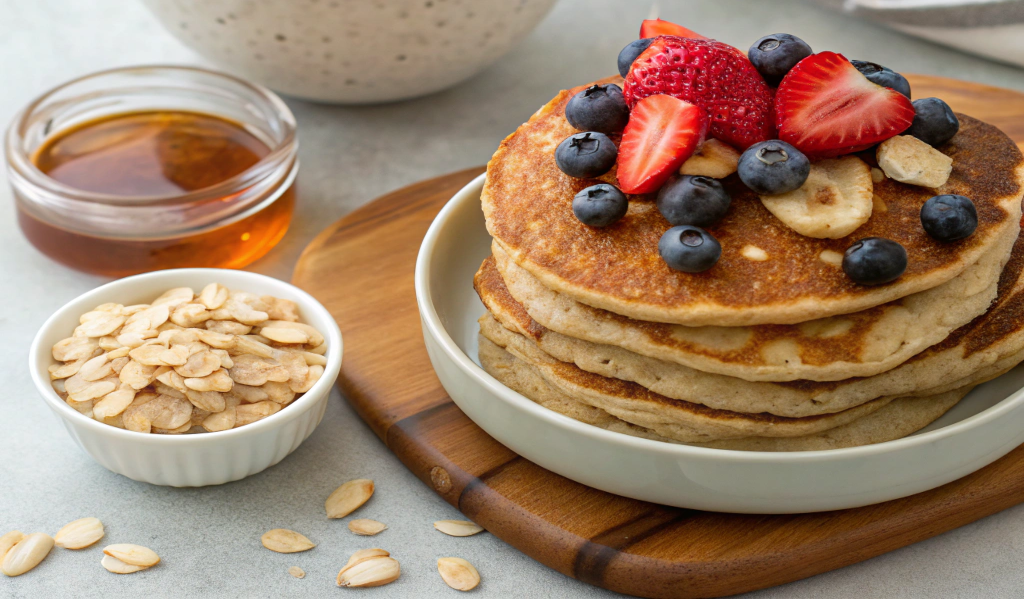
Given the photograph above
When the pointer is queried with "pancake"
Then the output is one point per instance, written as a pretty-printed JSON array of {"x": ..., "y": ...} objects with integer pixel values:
[
  {"x": 527, "y": 203},
  {"x": 683, "y": 421},
  {"x": 988, "y": 345},
  {"x": 895, "y": 420},
  {"x": 860, "y": 344}
]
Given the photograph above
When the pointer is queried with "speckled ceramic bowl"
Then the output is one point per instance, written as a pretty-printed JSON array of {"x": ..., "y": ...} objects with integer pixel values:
[{"x": 352, "y": 51}]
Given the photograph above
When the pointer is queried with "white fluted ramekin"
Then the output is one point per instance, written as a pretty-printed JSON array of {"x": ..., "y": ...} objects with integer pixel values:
[{"x": 198, "y": 459}]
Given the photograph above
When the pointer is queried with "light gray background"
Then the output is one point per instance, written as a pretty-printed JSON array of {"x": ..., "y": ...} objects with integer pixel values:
[{"x": 209, "y": 538}]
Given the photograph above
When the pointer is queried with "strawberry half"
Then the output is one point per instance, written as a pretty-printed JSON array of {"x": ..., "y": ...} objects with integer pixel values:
[
  {"x": 656, "y": 27},
  {"x": 826, "y": 108},
  {"x": 661, "y": 134},
  {"x": 712, "y": 75}
]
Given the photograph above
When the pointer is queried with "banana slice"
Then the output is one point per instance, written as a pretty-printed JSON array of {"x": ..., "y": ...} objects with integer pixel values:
[
  {"x": 832, "y": 203},
  {"x": 714, "y": 159},
  {"x": 909, "y": 160}
]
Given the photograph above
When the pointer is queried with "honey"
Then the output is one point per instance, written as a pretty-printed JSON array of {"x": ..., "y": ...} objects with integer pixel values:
[
  {"x": 144, "y": 168},
  {"x": 152, "y": 153},
  {"x": 149, "y": 157}
]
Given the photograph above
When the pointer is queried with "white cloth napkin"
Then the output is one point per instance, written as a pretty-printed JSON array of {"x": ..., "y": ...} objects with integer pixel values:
[{"x": 990, "y": 28}]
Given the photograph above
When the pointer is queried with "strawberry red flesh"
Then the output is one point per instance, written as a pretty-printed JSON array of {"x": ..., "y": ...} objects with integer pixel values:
[
  {"x": 825, "y": 107},
  {"x": 661, "y": 134},
  {"x": 712, "y": 75},
  {"x": 656, "y": 27}
]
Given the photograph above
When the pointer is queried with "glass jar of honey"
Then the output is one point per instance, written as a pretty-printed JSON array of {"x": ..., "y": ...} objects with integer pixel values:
[{"x": 146, "y": 168}]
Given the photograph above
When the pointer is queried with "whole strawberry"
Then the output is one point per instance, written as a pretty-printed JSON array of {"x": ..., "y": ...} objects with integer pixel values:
[{"x": 712, "y": 75}]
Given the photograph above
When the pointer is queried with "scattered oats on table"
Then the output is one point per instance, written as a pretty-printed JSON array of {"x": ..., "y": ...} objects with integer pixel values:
[{"x": 188, "y": 363}]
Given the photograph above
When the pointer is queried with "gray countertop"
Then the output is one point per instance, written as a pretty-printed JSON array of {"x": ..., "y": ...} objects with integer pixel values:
[{"x": 209, "y": 538}]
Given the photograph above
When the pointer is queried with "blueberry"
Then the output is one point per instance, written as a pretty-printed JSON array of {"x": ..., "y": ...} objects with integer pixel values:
[
  {"x": 586, "y": 155},
  {"x": 875, "y": 260},
  {"x": 693, "y": 200},
  {"x": 949, "y": 217},
  {"x": 598, "y": 108},
  {"x": 774, "y": 55},
  {"x": 630, "y": 52},
  {"x": 934, "y": 122},
  {"x": 600, "y": 205},
  {"x": 773, "y": 167},
  {"x": 689, "y": 249},
  {"x": 883, "y": 76}
]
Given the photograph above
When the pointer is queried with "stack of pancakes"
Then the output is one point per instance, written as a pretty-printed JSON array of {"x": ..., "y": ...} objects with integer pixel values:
[{"x": 774, "y": 348}]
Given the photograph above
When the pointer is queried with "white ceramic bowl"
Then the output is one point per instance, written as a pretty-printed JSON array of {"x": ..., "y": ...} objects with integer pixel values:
[
  {"x": 983, "y": 427},
  {"x": 201, "y": 459},
  {"x": 352, "y": 51}
]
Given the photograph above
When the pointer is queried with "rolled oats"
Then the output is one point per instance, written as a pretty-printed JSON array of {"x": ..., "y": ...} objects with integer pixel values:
[
  {"x": 74, "y": 348},
  {"x": 227, "y": 327},
  {"x": 67, "y": 369},
  {"x": 213, "y": 296},
  {"x": 366, "y": 528},
  {"x": 168, "y": 412},
  {"x": 114, "y": 403},
  {"x": 458, "y": 573},
  {"x": 373, "y": 572},
  {"x": 297, "y": 572},
  {"x": 216, "y": 381},
  {"x": 251, "y": 412},
  {"x": 188, "y": 363},
  {"x": 220, "y": 421},
  {"x": 363, "y": 555},
  {"x": 175, "y": 297},
  {"x": 26, "y": 554},
  {"x": 79, "y": 534},
  {"x": 286, "y": 541},
  {"x": 135, "y": 555},
  {"x": 348, "y": 497},
  {"x": 9, "y": 540},
  {"x": 190, "y": 315},
  {"x": 211, "y": 401},
  {"x": 116, "y": 566},
  {"x": 199, "y": 364},
  {"x": 458, "y": 528}
]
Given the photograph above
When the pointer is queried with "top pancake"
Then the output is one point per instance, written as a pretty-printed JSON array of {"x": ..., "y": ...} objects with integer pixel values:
[{"x": 527, "y": 202}]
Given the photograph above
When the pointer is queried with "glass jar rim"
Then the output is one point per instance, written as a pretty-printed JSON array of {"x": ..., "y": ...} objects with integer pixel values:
[{"x": 283, "y": 149}]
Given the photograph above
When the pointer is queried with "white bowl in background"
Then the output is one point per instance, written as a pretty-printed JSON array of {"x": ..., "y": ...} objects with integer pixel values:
[
  {"x": 983, "y": 427},
  {"x": 191, "y": 460},
  {"x": 352, "y": 51}
]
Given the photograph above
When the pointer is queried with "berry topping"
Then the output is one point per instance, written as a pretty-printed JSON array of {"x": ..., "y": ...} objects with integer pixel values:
[
  {"x": 874, "y": 261},
  {"x": 883, "y": 76},
  {"x": 656, "y": 27},
  {"x": 689, "y": 249},
  {"x": 689, "y": 200},
  {"x": 774, "y": 55},
  {"x": 598, "y": 108},
  {"x": 600, "y": 205},
  {"x": 630, "y": 52},
  {"x": 934, "y": 122},
  {"x": 661, "y": 134},
  {"x": 826, "y": 107},
  {"x": 586, "y": 155},
  {"x": 712, "y": 75},
  {"x": 773, "y": 167},
  {"x": 949, "y": 217}
]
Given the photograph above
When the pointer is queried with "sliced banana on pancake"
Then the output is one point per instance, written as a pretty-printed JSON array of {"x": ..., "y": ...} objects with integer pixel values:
[
  {"x": 832, "y": 203},
  {"x": 910, "y": 160},
  {"x": 714, "y": 159}
]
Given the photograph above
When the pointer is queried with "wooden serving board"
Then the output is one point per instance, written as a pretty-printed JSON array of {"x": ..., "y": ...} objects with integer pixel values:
[{"x": 361, "y": 268}]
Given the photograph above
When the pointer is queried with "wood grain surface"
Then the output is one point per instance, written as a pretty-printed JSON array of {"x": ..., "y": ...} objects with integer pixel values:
[{"x": 361, "y": 268}]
